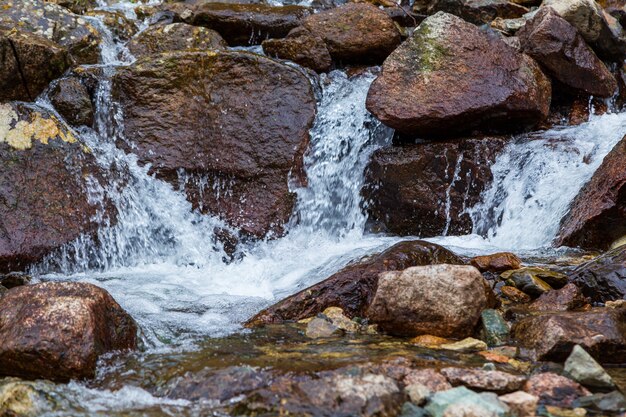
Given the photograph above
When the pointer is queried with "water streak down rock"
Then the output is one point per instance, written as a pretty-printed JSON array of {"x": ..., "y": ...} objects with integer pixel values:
[
  {"x": 451, "y": 77},
  {"x": 235, "y": 123}
]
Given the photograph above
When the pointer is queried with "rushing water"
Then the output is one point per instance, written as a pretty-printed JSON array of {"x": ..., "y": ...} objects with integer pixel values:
[{"x": 162, "y": 263}]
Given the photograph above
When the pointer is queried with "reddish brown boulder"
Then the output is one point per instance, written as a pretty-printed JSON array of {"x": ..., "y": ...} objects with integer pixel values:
[
  {"x": 236, "y": 123},
  {"x": 604, "y": 278},
  {"x": 440, "y": 300},
  {"x": 479, "y": 12},
  {"x": 597, "y": 216},
  {"x": 564, "y": 54},
  {"x": 352, "y": 288},
  {"x": 553, "y": 389},
  {"x": 601, "y": 332},
  {"x": 355, "y": 32},
  {"x": 451, "y": 77},
  {"x": 302, "y": 47},
  {"x": 567, "y": 298},
  {"x": 71, "y": 99},
  {"x": 497, "y": 262},
  {"x": 241, "y": 24},
  {"x": 44, "y": 201},
  {"x": 424, "y": 189},
  {"x": 57, "y": 330},
  {"x": 175, "y": 37},
  {"x": 28, "y": 63}
]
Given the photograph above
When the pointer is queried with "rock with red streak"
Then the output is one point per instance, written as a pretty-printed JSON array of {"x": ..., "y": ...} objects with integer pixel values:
[
  {"x": 57, "y": 330},
  {"x": 551, "y": 336},
  {"x": 235, "y": 124},
  {"x": 565, "y": 55},
  {"x": 567, "y": 298},
  {"x": 424, "y": 189},
  {"x": 497, "y": 262},
  {"x": 553, "y": 389},
  {"x": 353, "y": 287},
  {"x": 597, "y": 216},
  {"x": 484, "y": 380},
  {"x": 355, "y": 32},
  {"x": 450, "y": 77}
]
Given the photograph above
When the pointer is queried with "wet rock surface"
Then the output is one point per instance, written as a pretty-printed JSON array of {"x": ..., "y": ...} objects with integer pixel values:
[
  {"x": 603, "y": 278},
  {"x": 422, "y": 92},
  {"x": 44, "y": 200},
  {"x": 175, "y": 37},
  {"x": 57, "y": 330},
  {"x": 553, "y": 389},
  {"x": 246, "y": 126},
  {"x": 483, "y": 380},
  {"x": 597, "y": 215},
  {"x": 497, "y": 262},
  {"x": 441, "y": 300},
  {"x": 302, "y": 47},
  {"x": 353, "y": 287},
  {"x": 424, "y": 189},
  {"x": 565, "y": 56},
  {"x": 479, "y": 12},
  {"x": 72, "y": 100},
  {"x": 567, "y": 298}
]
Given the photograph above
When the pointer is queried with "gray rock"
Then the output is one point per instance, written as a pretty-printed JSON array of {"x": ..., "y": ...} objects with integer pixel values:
[
  {"x": 318, "y": 328},
  {"x": 582, "y": 368},
  {"x": 460, "y": 399}
]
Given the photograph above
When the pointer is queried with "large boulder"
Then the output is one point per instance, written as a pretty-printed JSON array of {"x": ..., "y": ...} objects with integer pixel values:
[
  {"x": 606, "y": 38},
  {"x": 604, "y": 278},
  {"x": 236, "y": 123},
  {"x": 597, "y": 216},
  {"x": 302, "y": 47},
  {"x": 57, "y": 24},
  {"x": 353, "y": 287},
  {"x": 58, "y": 330},
  {"x": 552, "y": 336},
  {"x": 28, "y": 63},
  {"x": 44, "y": 199},
  {"x": 175, "y": 37},
  {"x": 424, "y": 189},
  {"x": 450, "y": 76},
  {"x": 440, "y": 300},
  {"x": 241, "y": 24},
  {"x": 564, "y": 54},
  {"x": 355, "y": 32}
]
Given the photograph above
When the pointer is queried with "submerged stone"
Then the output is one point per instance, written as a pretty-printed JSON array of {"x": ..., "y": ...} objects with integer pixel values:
[{"x": 495, "y": 329}]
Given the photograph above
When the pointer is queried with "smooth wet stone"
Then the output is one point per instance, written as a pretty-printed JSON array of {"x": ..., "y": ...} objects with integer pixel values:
[
  {"x": 71, "y": 99},
  {"x": 175, "y": 37},
  {"x": 14, "y": 279},
  {"x": 441, "y": 403},
  {"x": 339, "y": 319},
  {"x": 302, "y": 47},
  {"x": 604, "y": 278},
  {"x": 530, "y": 280},
  {"x": 484, "y": 380},
  {"x": 553, "y": 389},
  {"x": 613, "y": 402},
  {"x": 411, "y": 410},
  {"x": 418, "y": 393},
  {"x": 494, "y": 328},
  {"x": 429, "y": 378},
  {"x": 521, "y": 404},
  {"x": 565, "y": 412},
  {"x": 319, "y": 328},
  {"x": 441, "y": 300},
  {"x": 469, "y": 344},
  {"x": 496, "y": 262},
  {"x": 567, "y": 298},
  {"x": 22, "y": 398},
  {"x": 582, "y": 368},
  {"x": 514, "y": 295}
]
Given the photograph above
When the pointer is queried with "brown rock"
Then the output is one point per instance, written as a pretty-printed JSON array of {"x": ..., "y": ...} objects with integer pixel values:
[
  {"x": 520, "y": 403},
  {"x": 479, "y": 12},
  {"x": 567, "y": 298},
  {"x": 27, "y": 65},
  {"x": 601, "y": 332},
  {"x": 597, "y": 215},
  {"x": 76, "y": 6},
  {"x": 441, "y": 300},
  {"x": 424, "y": 189},
  {"x": 451, "y": 77},
  {"x": 603, "y": 279},
  {"x": 121, "y": 27},
  {"x": 497, "y": 262},
  {"x": 71, "y": 99},
  {"x": 234, "y": 121},
  {"x": 429, "y": 378},
  {"x": 57, "y": 24},
  {"x": 553, "y": 389},
  {"x": 242, "y": 24},
  {"x": 565, "y": 56},
  {"x": 175, "y": 37},
  {"x": 43, "y": 195},
  {"x": 514, "y": 294},
  {"x": 355, "y": 32},
  {"x": 353, "y": 287},
  {"x": 482, "y": 380},
  {"x": 301, "y": 47},
  {"x": 57, "y": 330}
]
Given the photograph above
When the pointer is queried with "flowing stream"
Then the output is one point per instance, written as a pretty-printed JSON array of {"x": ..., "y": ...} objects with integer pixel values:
[{"x": 160, "y": 261}]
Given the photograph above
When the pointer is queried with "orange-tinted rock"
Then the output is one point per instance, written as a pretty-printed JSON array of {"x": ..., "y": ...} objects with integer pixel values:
[
  {"x": 302, "y": 47},
  {"x": 497, "y": 262},
  {"x": 514, "y": 294},
  {"x": 234, "y": 122},
  {"x": 424, "y": 189},
  {"x": 553, "y": 389},
  {"x": 353, "y": 287},
  {"x": 564, "y": 54},
  {"x": 57, "y": 330},
  {"x": 355, "y": 32},
  {"x": 451, "y": 77},
  {"x": 597, "y": 216}
]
